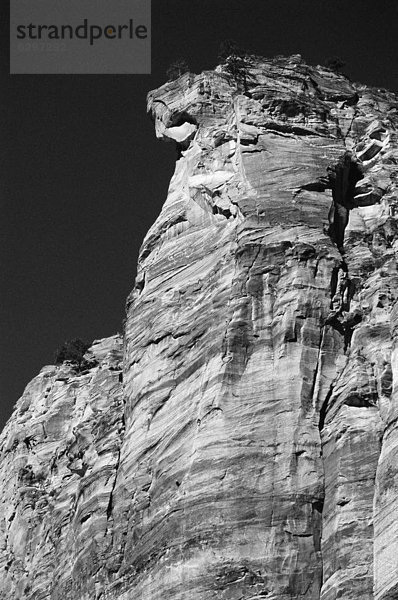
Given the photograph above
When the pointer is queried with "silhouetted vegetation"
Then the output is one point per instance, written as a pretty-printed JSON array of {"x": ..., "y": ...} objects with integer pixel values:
[
  {"x": 235, "y": 60},
  {"x": 176, "y": 69},
  {"x": 335, "y": 64},
  {"x": 229, "y": 48},
  {"x": 73, "y": 351}
]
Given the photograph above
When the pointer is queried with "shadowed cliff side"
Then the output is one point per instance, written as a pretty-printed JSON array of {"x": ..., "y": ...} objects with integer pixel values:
[{"x": 251, "y": 449}]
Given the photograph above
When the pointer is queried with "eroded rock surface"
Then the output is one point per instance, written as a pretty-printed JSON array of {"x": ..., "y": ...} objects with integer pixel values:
[
  {"x": 59, "y": 458},
  {"x": 252, "y": 450}
]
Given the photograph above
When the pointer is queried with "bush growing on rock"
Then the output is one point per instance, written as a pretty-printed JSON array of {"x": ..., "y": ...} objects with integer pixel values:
[
  {"x": 335, "y": 64},
  {"x": 176, "y": 69},
  {"x": 228, "y": 48},
  {"x": 72, "y": 350},
  {"x": 235, "y": 60}
]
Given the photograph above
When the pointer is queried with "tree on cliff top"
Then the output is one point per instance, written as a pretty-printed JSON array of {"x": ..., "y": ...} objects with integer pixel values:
[
  {"x": 334, "y": 63},
  {"x": 235, "y": 60},
  {"x": 228, "y": 48},
  {"x": 176, "y": 69},
  {"x": 72, "y": 350}
]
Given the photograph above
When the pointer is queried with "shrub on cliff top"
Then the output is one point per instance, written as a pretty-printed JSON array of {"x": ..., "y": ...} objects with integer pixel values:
[
  {"x": 72, "y": 350},
  {"x": 176, "y": 69},
  {"x": 335, "y": 64},
  {"x": 228, "y": 48},
  {"x": 235, "y": 60}
]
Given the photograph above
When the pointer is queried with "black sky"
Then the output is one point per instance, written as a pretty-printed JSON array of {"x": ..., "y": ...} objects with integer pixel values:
[{"x": 83, "y": 176}]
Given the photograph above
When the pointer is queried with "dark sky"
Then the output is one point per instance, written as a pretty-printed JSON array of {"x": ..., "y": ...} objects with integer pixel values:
[{"x": 83, "y": 176}]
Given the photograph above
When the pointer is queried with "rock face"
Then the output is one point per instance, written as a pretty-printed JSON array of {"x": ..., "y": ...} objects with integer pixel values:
[
  {"x": 59, "y": 458},
  {"x": 251, "y": 450}
]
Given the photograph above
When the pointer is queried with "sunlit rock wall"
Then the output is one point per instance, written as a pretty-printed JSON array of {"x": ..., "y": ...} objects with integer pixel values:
[
  {"x": 253, "y": 449},
  {"x": 59, "y": 458}
]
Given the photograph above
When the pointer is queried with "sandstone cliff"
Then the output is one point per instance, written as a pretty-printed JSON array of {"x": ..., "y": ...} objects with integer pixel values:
[{"x": 247, "y": 448}]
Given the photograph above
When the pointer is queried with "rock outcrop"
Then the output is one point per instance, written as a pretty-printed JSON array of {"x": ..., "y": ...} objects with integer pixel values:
[{"x": 247, "y": 447}]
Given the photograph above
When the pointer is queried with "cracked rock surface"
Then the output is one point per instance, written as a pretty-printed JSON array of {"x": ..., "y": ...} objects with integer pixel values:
[
  {"x": 250, "y": 451},
  {"x": 59, "y": 457}
]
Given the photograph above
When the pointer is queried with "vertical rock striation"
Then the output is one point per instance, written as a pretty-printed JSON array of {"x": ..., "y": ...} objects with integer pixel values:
[
  {"x": 251, "y": 450},
  {"x": 59, "y": 457}
]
